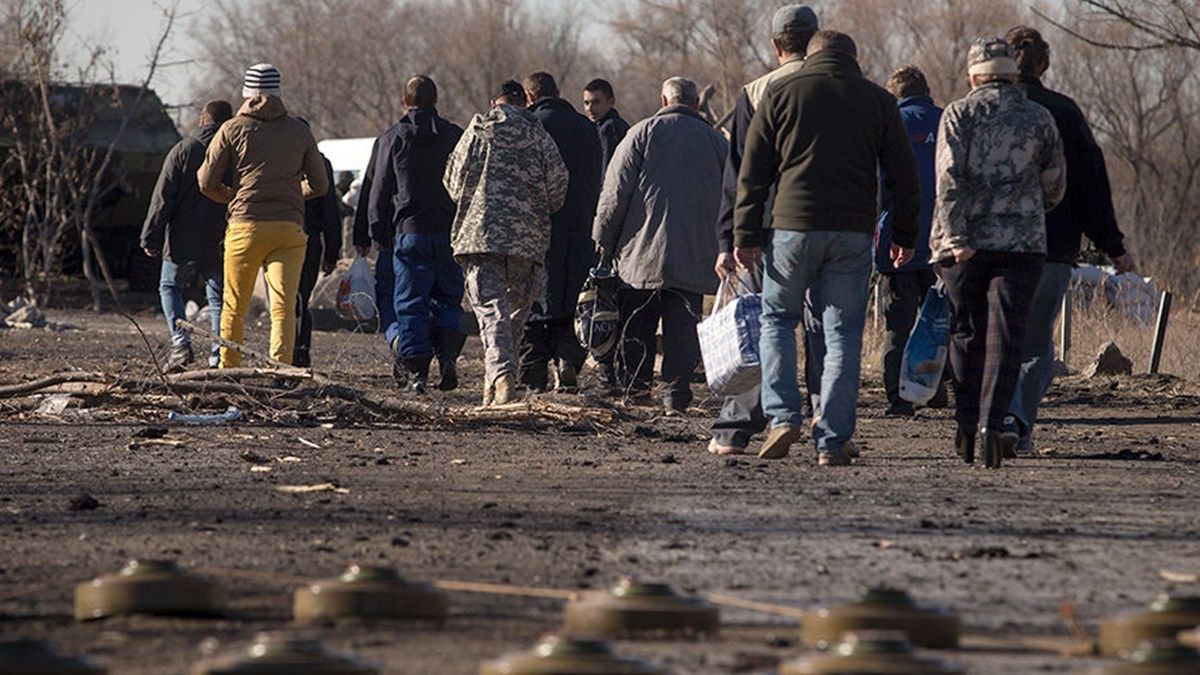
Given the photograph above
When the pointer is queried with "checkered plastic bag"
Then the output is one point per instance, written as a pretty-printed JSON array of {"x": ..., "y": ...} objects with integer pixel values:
[{"x": 729, "y": 339}]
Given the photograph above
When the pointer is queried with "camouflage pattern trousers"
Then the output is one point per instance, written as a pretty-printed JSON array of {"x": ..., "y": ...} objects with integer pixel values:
[{"x": 502, "y": 290}]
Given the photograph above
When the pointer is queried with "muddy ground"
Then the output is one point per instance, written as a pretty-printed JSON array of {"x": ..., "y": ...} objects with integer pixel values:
[{"x": 567, "y": 508}]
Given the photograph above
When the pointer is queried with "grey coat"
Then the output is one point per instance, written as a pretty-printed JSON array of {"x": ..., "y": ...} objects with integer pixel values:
[{"x": 662, "y": 195}]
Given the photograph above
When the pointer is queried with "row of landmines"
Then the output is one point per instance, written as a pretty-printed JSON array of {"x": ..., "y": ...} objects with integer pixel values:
[{"x": 875, "y": 635}]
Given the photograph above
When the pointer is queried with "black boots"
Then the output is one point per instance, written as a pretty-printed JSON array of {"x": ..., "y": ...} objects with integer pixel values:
[
  {"x": 412, "y": 373},
  {"x": 447, "y": 345},
  {"x": 964, "y": 443}
]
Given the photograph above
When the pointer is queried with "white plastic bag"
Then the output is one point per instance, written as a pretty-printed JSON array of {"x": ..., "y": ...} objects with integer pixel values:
[
  {"x": 729, "y": 340},
  {"x": 356, "y": 292},
  {"x": 927, "y": 348}
]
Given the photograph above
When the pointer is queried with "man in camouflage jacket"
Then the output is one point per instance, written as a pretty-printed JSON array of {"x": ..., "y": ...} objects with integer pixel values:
[
  {"x": 506, "y": 177},
  {"x": 1000, "y": 167}
]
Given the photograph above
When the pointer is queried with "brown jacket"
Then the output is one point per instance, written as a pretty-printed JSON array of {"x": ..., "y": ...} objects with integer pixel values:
[{"x": 275, "y": 162}]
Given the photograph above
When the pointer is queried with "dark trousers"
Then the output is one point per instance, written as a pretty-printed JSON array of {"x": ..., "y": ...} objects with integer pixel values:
[
  {"x": 903, "y": 293},
  {"x": 428, "y": 291},
  {"x": 302, "y": 353},
  {"x": 990, "y": 295},
  {"x": 641, "y": 311},
  {"x": 549, "y": 340}
]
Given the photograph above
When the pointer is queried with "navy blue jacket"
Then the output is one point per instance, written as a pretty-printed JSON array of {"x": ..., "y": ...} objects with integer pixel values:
[
  {"x": 921, "y": 118},
  {"x": 407, "y": 195},
  {"x": 572, "y": 251},
  {"x": 1087, "y": 207},
  {"x": 612, "y": 128}
]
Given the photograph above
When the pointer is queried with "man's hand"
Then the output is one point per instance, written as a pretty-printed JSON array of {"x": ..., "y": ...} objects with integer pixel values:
[
  {"x": 1125, "y": 263},
  {"x": 328, "y": 266},
  {"x": 901, "y": 256},
  {"x": 726, "y": 265},
  {"x": 748, "y": 257},
  {"x": 962, "y": 255},
  {"x": 362, "y": 251},
  {"x": 152, "y": 252}
]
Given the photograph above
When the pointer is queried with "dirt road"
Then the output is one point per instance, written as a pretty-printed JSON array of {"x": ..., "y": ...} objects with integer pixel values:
[{"x": 1091, "y": 524}]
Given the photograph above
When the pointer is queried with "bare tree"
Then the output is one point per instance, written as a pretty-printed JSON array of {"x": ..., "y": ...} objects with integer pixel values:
[
  {"x": 1154, "y": 24},
  {"x": 58, "y": 176}
]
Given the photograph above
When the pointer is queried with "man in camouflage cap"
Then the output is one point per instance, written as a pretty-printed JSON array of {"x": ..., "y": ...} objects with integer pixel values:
[
  {"x": 506, "y": 177},
  {"x": 1000, "y": 167}
]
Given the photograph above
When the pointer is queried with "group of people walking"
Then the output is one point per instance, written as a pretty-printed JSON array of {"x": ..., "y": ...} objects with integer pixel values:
[{"x": 823, "y": 174}]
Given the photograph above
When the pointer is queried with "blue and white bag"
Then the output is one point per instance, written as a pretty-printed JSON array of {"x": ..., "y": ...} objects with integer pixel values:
[
  {"x": 729, "y": 339},
  {"x": 927, "y": 348}
]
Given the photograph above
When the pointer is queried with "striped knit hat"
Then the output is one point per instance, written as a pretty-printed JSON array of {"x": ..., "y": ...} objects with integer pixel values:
[{"x": 262, "y": 80}]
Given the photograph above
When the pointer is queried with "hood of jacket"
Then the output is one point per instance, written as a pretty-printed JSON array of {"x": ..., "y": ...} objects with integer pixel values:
[
  {"x": 834, "y": 64},
  {"x": 206, "y": 131},
  {"x": 421, "y": 126},
  {"x": 264, "y": 108},
  {"x": 555, "y": 104},
  {"x": 507, "y": 126}
]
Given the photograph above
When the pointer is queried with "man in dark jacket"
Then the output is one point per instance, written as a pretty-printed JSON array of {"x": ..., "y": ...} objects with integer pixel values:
[
  {"x": 323, "y": 224},
  {"x": 408, "y": 199},
  {"x": 903, "y": 290},
  {"x": 364, "y": 236},
  {"x": 1087, "y": 209},
  {"x": 186, "y": 229},
  {"x": 657, "y": 218},
  {"x": 550, "y": 335},
  {"x": 599, "y": 104},
  {"x": 792, "y": 26},
  {"x": 819, "y": 138}
]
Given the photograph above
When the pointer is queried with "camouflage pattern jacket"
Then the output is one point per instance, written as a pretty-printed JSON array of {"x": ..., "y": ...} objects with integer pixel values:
[
  {"x": 506, "y": 177},
  {"x": 1000, "y": 167}
]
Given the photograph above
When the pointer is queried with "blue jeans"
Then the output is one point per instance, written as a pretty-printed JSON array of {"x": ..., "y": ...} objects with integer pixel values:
[
  {"x": 172, "y": 281},
  {"x": 385, "y": 289},
  {"x": 428, "y": 291},
  {"x": 1037, "y": 369},
  {"x": 833, "y": 269}
]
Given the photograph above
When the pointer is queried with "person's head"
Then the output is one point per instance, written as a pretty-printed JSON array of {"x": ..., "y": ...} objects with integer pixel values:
[
  {"x": 598, "y": 99},
  {"x": 907, "y": 81},
  {"x": 792, "y": 27},
  {"x": 990, "y": 59},
  {"x": 540, "y": 85},
  {"x": 510, "y": 92},
  {"x": 215, "y": 112},
  {"x": 832, "y": 41},
  {"x": 1030, "y": 50},
  {"x": 420, "y": 92},
  {"x": 262, "y": 79},
  {"x": 680, "y": 91}
]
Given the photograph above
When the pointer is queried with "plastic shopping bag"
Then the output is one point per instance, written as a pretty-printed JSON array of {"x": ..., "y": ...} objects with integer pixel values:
[
  {"x": 729, "y": 340},
  {"x": 926, "y": 350},
  {"x": 597, "y": 313},
  {"x": 356, "y": 292}
]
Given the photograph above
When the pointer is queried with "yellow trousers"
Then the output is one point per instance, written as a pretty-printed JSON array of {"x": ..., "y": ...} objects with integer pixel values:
[{"x": 279, "y": 245}]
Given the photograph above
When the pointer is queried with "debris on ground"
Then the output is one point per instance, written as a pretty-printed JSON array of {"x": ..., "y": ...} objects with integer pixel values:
[
  {"x": 1110, "y": 362},
  {"x": 151, "y": 432},
  {"x": 27, "y": 316},
  {"x": 308, "y": 489},
  {"x": 83, "y": 502},
  {"x": 254, "y": 458},
  {"x": 54, "y": 405},
  {"x": 231, "y": 414}
]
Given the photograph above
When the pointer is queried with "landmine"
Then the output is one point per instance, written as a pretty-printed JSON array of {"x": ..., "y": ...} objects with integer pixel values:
[
  {"x": 561, "y": 655},
  {"x": 149, "y": 587},
  {"x": 279, "y": 654},
  {"x": 882, "y": 609},
  {"x": 372, "y": 593},
  {"x": 870, "y": 653},
  {"x": 634, "y": 609},
  {"x": 1156, "y": 657},
  {"x": 1164, "y": 620},
  {"x": 34, "y": 657}
]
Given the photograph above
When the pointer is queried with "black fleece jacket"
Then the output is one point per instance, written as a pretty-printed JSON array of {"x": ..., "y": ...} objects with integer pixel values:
[
  {"x": 824, "y": 133},
  {"x": 1087, "y": 208}
]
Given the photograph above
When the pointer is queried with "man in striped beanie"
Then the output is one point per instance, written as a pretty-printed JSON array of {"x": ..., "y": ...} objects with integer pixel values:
[{"x": 278, "y": 167}]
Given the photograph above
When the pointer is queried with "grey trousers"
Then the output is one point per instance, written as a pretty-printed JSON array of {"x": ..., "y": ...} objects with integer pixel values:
[{"x": 502, "y": 290}]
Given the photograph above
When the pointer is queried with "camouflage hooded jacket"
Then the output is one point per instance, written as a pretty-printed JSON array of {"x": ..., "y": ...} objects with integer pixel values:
[
  {"x": 1000, "y": 167},
  {"x": 506, "y": 177}
]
